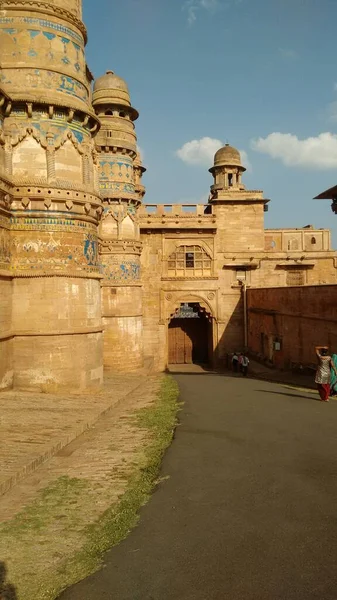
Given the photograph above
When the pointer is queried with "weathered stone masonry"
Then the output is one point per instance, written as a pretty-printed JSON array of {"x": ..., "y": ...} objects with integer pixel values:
[
  {"x": 52, "y": 278},
  {"x": 90, "y": 276}
]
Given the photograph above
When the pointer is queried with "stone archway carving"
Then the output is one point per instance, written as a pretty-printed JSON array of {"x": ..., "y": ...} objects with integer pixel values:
[
  {"x": 190, "y": 340},
  {"x": 189, "y": 298}
]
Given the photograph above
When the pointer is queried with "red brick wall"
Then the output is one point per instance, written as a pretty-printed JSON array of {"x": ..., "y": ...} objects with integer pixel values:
[{"x": 300, "y": 318}]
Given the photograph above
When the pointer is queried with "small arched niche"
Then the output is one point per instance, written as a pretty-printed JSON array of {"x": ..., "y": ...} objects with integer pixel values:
[
  {"x": 109, "y": 227},
  {"x": 68, "y": 163},
  {"x": 29, "y": 159},
  {"x": 127, "y": 229}
]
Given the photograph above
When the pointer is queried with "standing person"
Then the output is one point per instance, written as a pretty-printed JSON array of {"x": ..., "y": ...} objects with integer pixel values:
[
  {"x": 333, "y": 381},
  {"x": 240, "y": 362},
  {"x": 235, "y": 362},
  {"x": 323, "y": 376},
  {"x": 244, "y": 364}
]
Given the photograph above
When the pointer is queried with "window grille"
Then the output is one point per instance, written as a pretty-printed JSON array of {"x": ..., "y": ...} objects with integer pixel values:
[
  {"x": 189, "y": 260},
  {"x": 295, "y": 277}
]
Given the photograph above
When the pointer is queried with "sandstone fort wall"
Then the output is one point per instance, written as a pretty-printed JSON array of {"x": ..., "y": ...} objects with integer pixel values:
[{"x": 285, "y": 324}]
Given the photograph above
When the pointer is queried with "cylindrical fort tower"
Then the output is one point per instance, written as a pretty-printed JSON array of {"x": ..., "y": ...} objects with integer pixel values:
[
  {"x": 55, "y": 205},
  {"x": 120, "y": 172}
]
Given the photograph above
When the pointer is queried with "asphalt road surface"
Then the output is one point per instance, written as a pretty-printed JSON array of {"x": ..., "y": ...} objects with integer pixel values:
[{"x": 248, "y": 509}]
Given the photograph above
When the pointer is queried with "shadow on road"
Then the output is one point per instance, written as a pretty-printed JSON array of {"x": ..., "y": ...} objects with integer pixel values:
[
  {"x": 308, "y": 397},
  {"x": 252, "y": 376},
  {"x": 7, "y": 590},
  {"x": 225, "y": 374}
]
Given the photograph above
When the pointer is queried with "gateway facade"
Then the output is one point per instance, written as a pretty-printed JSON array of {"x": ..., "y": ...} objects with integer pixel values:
[{"x": 91, "y": 276}]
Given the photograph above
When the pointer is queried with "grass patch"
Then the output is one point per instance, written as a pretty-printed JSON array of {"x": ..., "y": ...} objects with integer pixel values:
[
  {"x": 63, "y": 509},
  {"x": 117, "y": 522},
  {"x": 37, "y": 516}
]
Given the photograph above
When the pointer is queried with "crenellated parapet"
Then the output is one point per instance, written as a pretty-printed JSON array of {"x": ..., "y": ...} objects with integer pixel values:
[{"x": 177, "y": 216}]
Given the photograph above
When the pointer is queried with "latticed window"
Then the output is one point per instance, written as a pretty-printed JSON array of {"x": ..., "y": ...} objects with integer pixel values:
[
  {"x": 295, "y": 277},
  {"x": 189, "y": 260}
]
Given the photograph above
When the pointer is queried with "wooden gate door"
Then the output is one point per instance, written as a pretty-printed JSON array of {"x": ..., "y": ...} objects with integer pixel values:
[
  {"x": 179, "y": 342},
  {"x": 198, "y": 331}
]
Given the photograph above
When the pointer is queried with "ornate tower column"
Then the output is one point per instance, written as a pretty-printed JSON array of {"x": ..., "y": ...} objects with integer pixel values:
[
  {"x": 49, "y": 160},
  {"x": 121, "y": 190},
  {"x": 6, "y": 341}
]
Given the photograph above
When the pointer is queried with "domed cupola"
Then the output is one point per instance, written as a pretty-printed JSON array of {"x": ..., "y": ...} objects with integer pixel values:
[
  {"x": 227, "y": 156},
  {"x": 111, "y": 97},
  {"x": 227, "y": 170}
]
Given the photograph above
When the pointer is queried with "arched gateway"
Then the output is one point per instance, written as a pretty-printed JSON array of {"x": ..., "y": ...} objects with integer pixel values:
[{"x": 190, "y": 337}]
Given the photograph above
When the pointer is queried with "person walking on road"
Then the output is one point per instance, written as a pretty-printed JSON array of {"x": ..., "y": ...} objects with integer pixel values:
[
  {"x": 235, "y": 362},
  {"x": 333, "y": 382},
  {"x": 323, "y": 376},
  {"x": 240, "y": 362},
  {"x": 244, "y": 364}
]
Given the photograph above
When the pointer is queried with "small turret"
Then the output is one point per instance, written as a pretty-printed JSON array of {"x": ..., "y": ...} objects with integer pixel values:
[
  {"x": 116, "y": 141},
  {"x": 227, "y": 170},
  {"x": 120, "y": 172}
]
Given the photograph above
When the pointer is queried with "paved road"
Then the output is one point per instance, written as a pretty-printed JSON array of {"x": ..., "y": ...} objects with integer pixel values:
[{"x": 249, "y": 509}]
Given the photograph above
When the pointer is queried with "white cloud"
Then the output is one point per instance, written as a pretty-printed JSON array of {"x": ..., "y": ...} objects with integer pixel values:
[
  {"x": 193, "y": 7},
  {"x": 314, "y": 152},
  {"x": 288, "y": 53},
  {"x": 199, "y": 152},
  {"x": 245, "y": 161}
]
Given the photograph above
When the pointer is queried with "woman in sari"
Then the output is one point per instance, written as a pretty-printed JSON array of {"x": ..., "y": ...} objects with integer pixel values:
[
  {"x": 323, "y": 376},
  {"x": 333, "y": 380}
]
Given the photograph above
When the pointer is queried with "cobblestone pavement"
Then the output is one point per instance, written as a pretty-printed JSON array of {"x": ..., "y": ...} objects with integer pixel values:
[{"x": 35, "y": 426}]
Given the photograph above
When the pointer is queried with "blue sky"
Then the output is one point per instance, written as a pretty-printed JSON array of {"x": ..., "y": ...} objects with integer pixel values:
[{"x": 260, "y": 74}]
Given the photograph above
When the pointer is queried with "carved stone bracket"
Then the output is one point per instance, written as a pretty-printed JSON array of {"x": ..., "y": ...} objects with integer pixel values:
[{"x": 119, "y": 247}]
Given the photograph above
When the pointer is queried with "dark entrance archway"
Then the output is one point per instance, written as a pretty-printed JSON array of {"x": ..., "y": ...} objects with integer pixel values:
[{"x": 190, "y": 335}]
